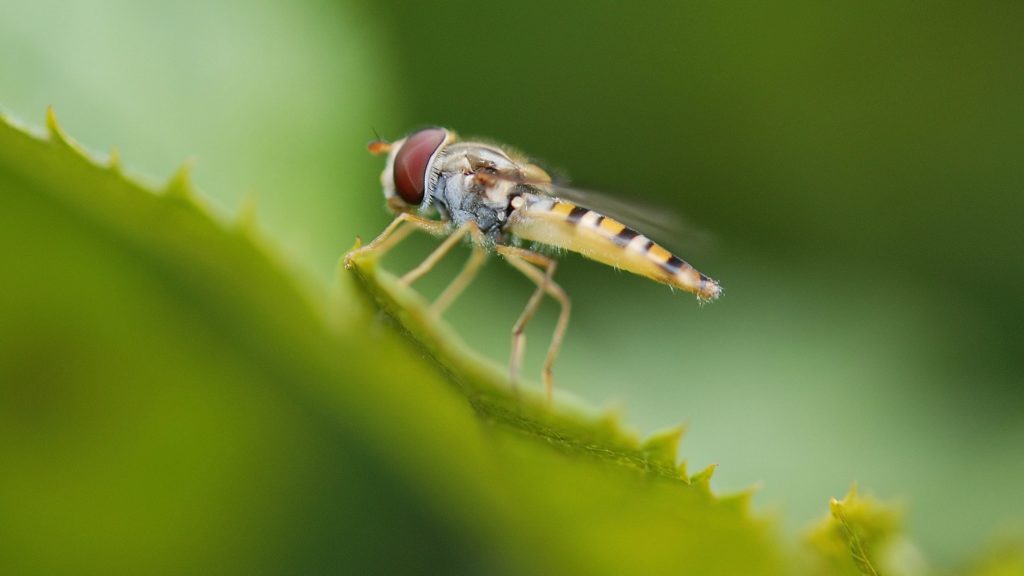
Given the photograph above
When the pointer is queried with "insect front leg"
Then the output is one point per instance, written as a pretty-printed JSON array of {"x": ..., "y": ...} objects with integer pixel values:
[
  {"x": 465, "y": 276},
  {"x": 528, "y": 262},
  {"x": 399, "y": 228},
  {"x": 440, "y": 252}
]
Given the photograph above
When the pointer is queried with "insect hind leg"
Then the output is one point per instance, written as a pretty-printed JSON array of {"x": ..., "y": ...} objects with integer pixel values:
[{"x": 528, "y": 262}]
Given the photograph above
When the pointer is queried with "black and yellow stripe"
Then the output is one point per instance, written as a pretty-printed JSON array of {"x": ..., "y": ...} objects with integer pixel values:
[{"x": 632, "y": 245}]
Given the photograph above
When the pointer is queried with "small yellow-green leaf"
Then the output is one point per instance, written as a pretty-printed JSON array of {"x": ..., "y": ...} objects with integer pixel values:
[{"x": 862, "y": 536}]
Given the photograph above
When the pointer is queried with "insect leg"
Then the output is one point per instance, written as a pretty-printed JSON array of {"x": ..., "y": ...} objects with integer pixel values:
[
  {"x": 395, "y": 232},
  {"x": 519, "y": 328},
  {"x": 465, "y": 276},
  {"x": 430, "y": 261},
  {"x": 521, "y": 260}
]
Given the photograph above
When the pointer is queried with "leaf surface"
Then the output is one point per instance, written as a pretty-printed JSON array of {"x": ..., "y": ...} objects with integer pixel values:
[{"x": 172, "y": 401}]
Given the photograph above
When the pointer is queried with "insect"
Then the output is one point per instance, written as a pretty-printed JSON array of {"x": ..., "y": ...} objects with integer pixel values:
[{"x": 499, "y": 200}]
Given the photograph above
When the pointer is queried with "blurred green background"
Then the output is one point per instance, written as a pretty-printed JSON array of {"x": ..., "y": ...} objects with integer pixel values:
[{"x": 857, "y": 168}]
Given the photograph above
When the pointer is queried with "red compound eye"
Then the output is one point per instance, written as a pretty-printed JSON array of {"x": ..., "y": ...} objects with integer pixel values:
[{"x": 411, "y": 163}]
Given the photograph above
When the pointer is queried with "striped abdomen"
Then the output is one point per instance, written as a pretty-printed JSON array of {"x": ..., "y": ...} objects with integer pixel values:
[{"x": 598, "y": 237}]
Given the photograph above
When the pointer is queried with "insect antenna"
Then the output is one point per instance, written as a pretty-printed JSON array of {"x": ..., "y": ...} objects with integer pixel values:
[{"x": 379, "y": 145}]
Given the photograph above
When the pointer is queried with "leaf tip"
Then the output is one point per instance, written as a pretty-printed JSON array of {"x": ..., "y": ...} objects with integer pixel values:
[
  {"x": 681, "y": 469},
  {"x": 664, "y": 445},
  {"x": 114, "y": 163},
  {"x": 835, "y": 505},
  {"x": 247, "y": 219},
  {"x": 180, "y": 185},
  {"x": 740, "y": 500},
  {"x": 56, "y": 133},
  {"x": 51, "y": 119},
  {"x": 703, "y": 478},
  {"x": 612, "y": 416}
]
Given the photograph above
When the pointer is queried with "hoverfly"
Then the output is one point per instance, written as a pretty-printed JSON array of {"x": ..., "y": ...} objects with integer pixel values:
[{"x": 498, "y": 199}]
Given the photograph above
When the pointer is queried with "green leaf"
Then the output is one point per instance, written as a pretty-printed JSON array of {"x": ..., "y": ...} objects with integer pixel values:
[
  {"x": 871, "y": 524},
  {"x": 862, "y": 536},
  {"x": 171, "y": 401},
  {"x": 488, "y": 390},
  {"x": 1003, "y": 559}
]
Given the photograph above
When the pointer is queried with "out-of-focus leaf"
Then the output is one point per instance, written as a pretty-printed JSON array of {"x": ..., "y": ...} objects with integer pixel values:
[
  {"x": 1004, "y": 559},
  {"x": 488, "y": 390},
  {"x": 171, "y": 403},
  {"x": 862, "y": 536}
]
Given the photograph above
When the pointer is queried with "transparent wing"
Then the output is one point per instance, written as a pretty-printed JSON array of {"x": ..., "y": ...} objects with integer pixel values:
[
  {"x": 653, "y": 220},
  {"x": 658, "y": 222}
]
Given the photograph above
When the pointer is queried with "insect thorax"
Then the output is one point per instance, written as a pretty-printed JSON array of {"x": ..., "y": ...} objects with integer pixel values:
[{"x": 461, "y": 199}]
